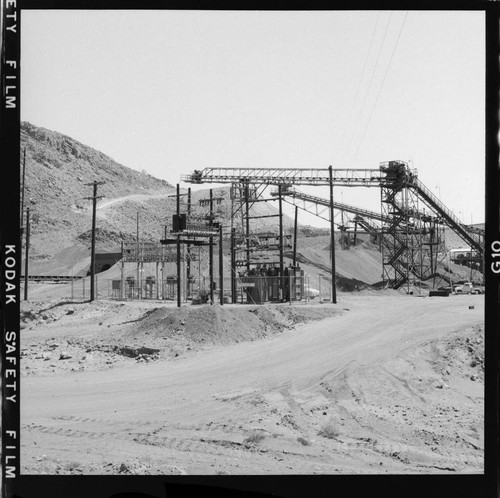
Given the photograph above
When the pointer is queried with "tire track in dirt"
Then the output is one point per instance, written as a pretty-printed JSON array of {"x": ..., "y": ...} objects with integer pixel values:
[
  {"x": 154, "y": 436},
  {"x": 445, "y": 452},
  {"x": 70, "y": 432},
  {"x": 183, "y": 444},
  {"x": 400, "y": 382}
]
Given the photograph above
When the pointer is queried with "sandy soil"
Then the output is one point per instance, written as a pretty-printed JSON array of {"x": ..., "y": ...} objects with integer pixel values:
[{"x": 379, "y": 383}]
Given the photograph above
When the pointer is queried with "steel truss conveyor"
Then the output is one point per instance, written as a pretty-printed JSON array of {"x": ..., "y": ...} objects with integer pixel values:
[
  {"x": 473, "y": 236},
  {"x": 359, "y": 212},
  {"x": 295, "y": 194},
  {"x": 310, "y": 203},
  {"x": 401, "y": 195},
  {"x": 293, "y": 176}
]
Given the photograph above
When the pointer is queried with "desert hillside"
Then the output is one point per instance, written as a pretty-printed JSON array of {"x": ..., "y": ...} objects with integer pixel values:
[{"x": 58, "y": 171}]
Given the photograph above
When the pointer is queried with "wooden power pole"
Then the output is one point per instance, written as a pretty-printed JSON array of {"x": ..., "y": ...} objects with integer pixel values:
[
  {"x": 332, "y": 239},
  {"x": 26, "y": 255},
  {"x": 92, "y": 247},
  {"x": 23, "y": 189},
  {"x": 178, "y": 246},
  {"x": 211, "y": 248},
  {"x": 221, "y": 264},
  {"x": 295, "y": 237}
]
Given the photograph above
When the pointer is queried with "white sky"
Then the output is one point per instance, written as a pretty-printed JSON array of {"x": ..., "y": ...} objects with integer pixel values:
[{"x": 174, "y": 91}]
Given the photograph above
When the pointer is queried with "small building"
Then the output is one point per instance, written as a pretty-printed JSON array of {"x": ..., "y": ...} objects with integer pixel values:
[{"x": 464, "y": 255}]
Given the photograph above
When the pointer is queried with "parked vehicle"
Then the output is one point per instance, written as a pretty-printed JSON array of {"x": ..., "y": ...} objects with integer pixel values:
[
  {"x": 445, "y": 288},
  {"x": 468, "y": 288},
  {"x": 464, "y": 288}
]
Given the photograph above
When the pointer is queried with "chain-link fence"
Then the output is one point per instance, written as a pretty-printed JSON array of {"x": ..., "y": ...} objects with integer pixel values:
[
  {"x": 251, "y": 289},
  {"x": 80, "y": 288},
  {"x": 248, "y": 289},
  {"x": 165, "y": 290}
]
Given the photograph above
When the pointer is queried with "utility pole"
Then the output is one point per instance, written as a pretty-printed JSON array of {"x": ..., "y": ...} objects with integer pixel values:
[
  {"x": 163, "y": 277},
  {"x": 281, "y": 278},
  {"x": 92, "y": 249},
  {"x": 122, "y": 274},
  {"x": 332, "y": 238},
  {"x": 470, "y": 264},
  {"x": 295, "y": 237},
  {"x": 432, "y": 228},
  {"x": 211, "y": 228},
  {"x": 221, "y": 260},
  {"x": 22, "y": 191},
  {"x": 247, "y": 225},
  {"x": 137, "y": 245},
  {"x": 26, "y": 257},
  {"x": 211, "y": 249},
  {"x": 188, "y": 256},
  {"x": 232, "y": 272},
  {"x": 178, "y": 206},
  {"x": 233, "y": 265},
  {"x": 22, "y": 215}
]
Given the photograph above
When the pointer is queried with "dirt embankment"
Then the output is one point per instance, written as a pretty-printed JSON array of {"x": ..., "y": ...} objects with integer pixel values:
[
  {"x": 54, "y": 339},
  {"x": 418, "y": 412}
]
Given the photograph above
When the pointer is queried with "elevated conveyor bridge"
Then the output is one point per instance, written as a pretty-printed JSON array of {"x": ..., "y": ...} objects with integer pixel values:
[
  {"x": 473, "y": 236},
  {"x": 306, "y": 198},
  {"x": 366, "y": 219},
  {"x": 288, "y": 176}
]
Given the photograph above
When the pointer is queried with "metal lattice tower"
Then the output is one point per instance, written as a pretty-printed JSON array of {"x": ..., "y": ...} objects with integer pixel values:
[
  {"x": 411, "y": 239},
  {"x": 394, "y": 236}
]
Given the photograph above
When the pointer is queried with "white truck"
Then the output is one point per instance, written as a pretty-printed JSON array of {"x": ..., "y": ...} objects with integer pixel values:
[{"x": 468, "y": 288}]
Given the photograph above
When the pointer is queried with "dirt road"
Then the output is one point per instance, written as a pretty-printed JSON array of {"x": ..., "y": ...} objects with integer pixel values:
[
  {"x": 132, "y": 197},
  {"x": 377, "y": 389}
]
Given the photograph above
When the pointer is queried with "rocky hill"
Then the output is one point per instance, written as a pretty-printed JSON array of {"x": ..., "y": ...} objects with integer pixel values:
[{"x": 59, "y": 170}]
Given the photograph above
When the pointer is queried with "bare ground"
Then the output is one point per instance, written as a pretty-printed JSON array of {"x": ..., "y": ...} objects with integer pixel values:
[{"x": 378, "y": 383}]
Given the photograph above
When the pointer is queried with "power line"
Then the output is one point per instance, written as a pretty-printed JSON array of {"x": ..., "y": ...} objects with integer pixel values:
[
  {"x": 351, "y": 114},
  {"x": 370, "y": 83},
  {"x": 380, "y": 88}
]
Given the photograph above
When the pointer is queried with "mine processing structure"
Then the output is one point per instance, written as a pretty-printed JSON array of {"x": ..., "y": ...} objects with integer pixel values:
[{"x": 410, "y": 238}]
